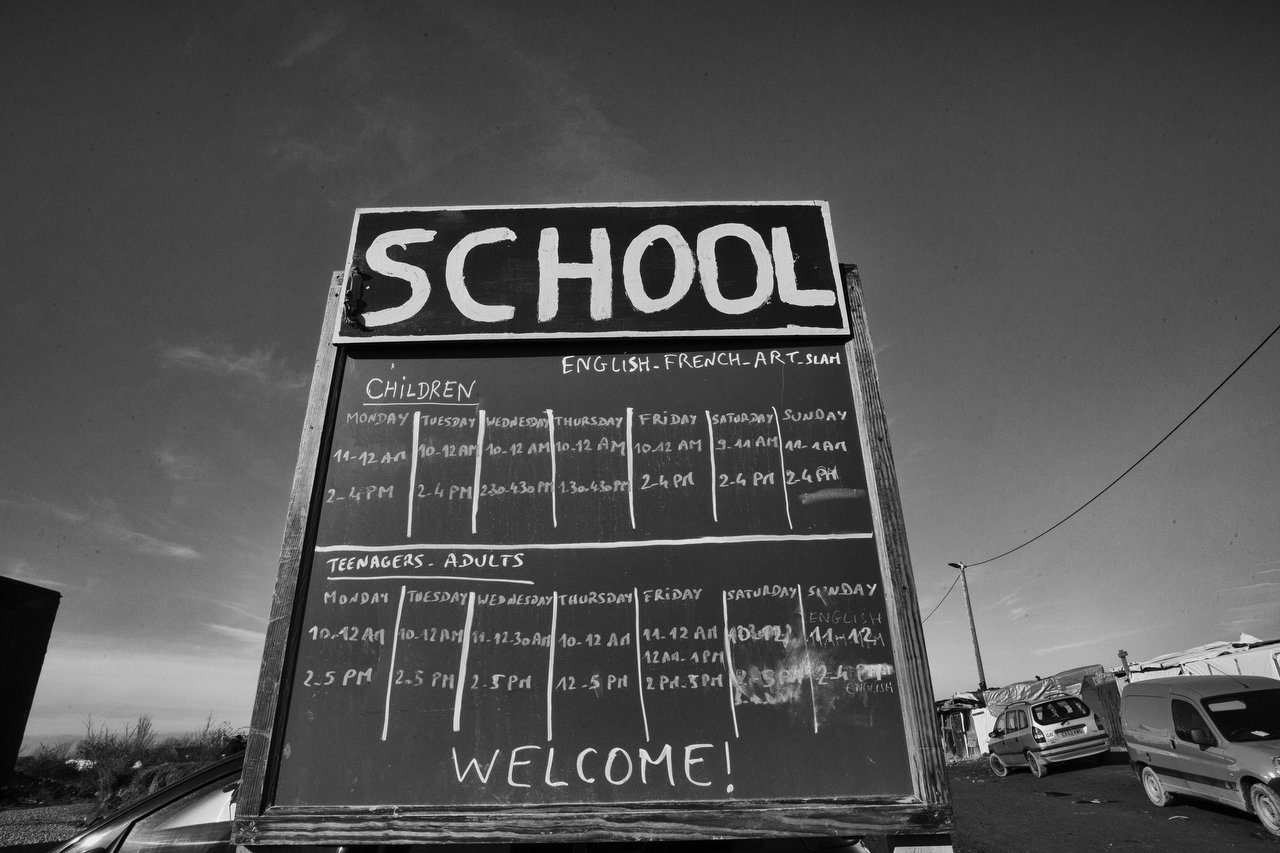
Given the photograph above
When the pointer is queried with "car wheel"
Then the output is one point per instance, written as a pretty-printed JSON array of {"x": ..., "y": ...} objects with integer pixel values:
[
  {"x": 1266, "y": 805},
  {"x": 1156, "y": 793},
  {"x": 1039, "y": 767},
  {"x": 997, "y": 766}
]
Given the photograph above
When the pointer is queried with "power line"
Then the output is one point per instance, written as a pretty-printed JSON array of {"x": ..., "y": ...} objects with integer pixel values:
[
  {"x": 944, "y": 598},
  {"x": 1078, "y": 509}
]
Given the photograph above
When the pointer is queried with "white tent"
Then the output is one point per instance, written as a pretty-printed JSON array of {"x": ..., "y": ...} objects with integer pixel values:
[{"x": 1246, "y": 656}]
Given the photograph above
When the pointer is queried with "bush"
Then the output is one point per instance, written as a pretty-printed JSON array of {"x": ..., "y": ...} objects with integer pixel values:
[
  {"x": 201, "y": 747},
  {"x": 44, "y": 776},
  {"x": 131, "y": 764},
  {"x": 49, "y": 761},
  {"x": 115, "y": 758}
]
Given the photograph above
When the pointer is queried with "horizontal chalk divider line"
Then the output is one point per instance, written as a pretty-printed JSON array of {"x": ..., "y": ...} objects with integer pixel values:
[
  {"x": 423, "y": 403},
  {"x": 429, "y": 578},
  {"x": 634, "y": 809},
  {"x": 784, "y": 332},
  {"x": 551, "y": 546}
]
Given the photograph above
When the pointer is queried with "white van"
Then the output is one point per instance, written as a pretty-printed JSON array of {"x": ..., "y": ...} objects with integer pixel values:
[{"x": 1214, "y": 737}]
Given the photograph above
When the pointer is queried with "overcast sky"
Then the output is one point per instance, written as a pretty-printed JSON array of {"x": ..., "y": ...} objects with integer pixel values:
[{"x": 1067, "y": 219}]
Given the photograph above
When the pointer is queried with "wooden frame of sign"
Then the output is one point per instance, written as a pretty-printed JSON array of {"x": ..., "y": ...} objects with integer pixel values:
[{"x": 556, "y": 568}]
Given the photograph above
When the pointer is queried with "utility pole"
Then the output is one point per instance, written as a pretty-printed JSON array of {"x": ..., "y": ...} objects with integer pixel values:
[{"x": 973, "y": 629}]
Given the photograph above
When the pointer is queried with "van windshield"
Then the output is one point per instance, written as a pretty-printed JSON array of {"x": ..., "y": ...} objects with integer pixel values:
[
  {"x": 1246, "y": 716},
  {"x": 1059, "y": 710}
]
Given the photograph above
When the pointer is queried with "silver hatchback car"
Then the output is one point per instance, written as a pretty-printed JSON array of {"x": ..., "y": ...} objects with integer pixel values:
[{"x": 1042, "y": 732}]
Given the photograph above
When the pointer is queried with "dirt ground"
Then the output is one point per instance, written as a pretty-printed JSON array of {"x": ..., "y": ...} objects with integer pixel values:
[
  {"x": 1087, "y": 808},
  {"x": 1076, "y": 809}
]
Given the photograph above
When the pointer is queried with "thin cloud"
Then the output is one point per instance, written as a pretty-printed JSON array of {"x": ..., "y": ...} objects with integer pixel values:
[
  {"x": 253, "y": 615},
  {"x": 241, "y": 634},
  {"x": 146, "y": 544},
  {"x": 324, "y": 32},
  {"x": 22, "y": 570},
  {"x": 1264, "y": 608},
  {"x": 1090, "y": 641},
  {"x": 61, "y": 513},
  {"x": 1007, "y": 600},
  {"x": 179, "y": 467},
  {"x": 111, "y": 528},
  {"x": 177, "y": 684},
  {"x": 260, "y": 365},
  {"x": 1012, "y": 603},
  {"x": 580, "y": 147}
]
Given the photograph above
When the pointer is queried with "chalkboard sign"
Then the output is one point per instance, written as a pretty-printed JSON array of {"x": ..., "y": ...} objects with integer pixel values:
[
  {"x": 627, "y": 271},
  {"x": 588, "y": 588}
]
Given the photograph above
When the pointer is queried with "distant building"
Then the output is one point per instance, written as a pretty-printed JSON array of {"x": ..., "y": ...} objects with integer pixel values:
[
  {"x": 966, "y": 719},
  {"x": 26, "y": 621}
]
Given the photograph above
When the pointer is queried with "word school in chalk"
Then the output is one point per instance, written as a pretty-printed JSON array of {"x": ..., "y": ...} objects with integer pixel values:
[
  {"x": 774, "y": 262},
  {"x": 592, "y": 271}
]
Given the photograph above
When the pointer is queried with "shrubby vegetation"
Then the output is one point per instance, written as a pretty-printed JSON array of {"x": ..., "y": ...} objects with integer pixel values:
[{"x": 113, "y": 768}]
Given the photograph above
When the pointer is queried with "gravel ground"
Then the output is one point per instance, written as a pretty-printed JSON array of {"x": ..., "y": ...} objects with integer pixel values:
[{"x": 42, "y": 824}]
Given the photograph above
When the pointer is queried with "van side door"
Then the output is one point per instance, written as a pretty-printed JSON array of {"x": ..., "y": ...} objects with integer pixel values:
[
  {"x": 999, "y": 741},
  {"x": 1020, "y": 734},
  {"x": 1202, "y": 756}
]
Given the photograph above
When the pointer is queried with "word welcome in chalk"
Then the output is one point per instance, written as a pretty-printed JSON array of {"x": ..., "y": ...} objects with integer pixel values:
[{"x": 589, "y": 766}]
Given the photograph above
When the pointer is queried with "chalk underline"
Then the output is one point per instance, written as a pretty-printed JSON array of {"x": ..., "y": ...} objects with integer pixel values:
[
  {"x": 417, "y": 403},
  {"x": 429, "y": 578},
  {"x": 640, "y": 543}
]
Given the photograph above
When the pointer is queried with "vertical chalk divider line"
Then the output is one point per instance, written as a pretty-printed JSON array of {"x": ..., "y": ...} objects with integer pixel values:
[
  {"x": 551, "y": 656},
  {"x": 413, "y": 472},
  {"x": 475, "y": 485},
  {"x": 711, "y": 453},
  {"x": 391, "y": 673},
  {"x": 551, "y": 442},
  {"x": 782, "y": 469},
  {"x": 644, "y": 713},
  {"x": 462, "y": 662},
  {"x": 728, "y": 665},
  {"x": 631, "y": 469},
  {"x": 808, "y": 658}
]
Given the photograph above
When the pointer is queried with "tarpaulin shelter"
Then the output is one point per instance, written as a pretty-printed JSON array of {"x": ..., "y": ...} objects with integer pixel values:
[
  {"x": 968, "y": 718},
  {"x": 1245, "y": 656}
]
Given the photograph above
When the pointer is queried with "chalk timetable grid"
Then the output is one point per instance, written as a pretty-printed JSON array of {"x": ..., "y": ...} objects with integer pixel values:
[{"x": 711, "y": 465}]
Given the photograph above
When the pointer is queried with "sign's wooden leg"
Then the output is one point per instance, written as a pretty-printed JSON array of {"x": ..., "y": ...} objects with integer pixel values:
[{"x": 940, "y": 843}]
